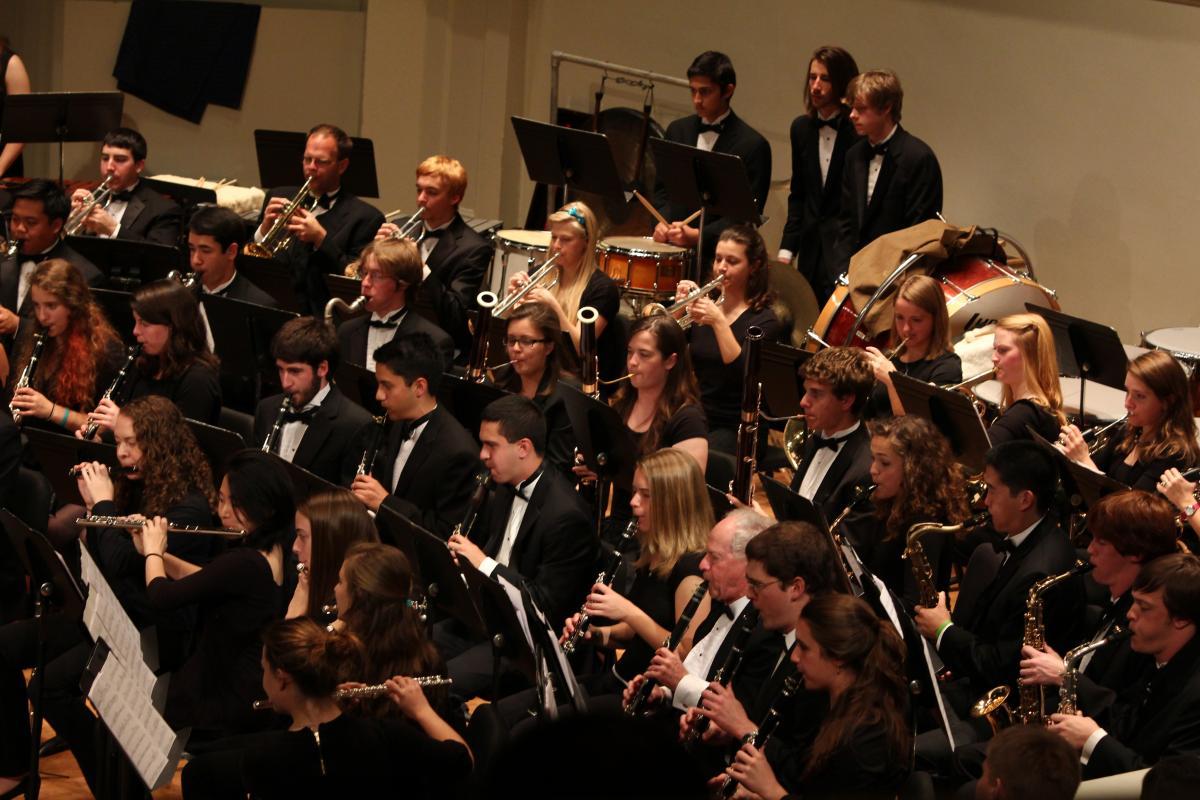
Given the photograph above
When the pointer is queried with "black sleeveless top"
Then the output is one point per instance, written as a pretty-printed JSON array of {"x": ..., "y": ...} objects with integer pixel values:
[{"x": 17, "y": 169}]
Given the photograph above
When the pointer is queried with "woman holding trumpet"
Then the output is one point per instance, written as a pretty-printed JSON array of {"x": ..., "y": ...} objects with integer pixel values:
[
  {"x": 573, "y": 237},
  {"x": 920, "y": 346},
  {"x": 718, "y": 327},
  {"x": 327, "y": 525},
  {"x": 80, "y": 355},
  {"x": 1026, "y": 364},
  {"x": 1158, "y": 433}
]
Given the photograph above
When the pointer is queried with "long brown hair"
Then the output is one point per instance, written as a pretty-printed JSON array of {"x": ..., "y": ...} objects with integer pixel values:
[
  {"x": 173, "y": 465},
  {"x": 926, "y": 294},
  {"x": 758, "y": 292},
  {"x": 933, "y": 486},
  {"x": 849, "y": 632},
  {"x": 71, "y": 360},
  {"x": 678, "y": 523},
  {"x": 543, "y": 318},
  {"x": 681, "y": 388},
  {"x": 337, "y": 521},
  {"x": 316, "y": 659},
  {"x": 1175, "y": 436},
  {"x": 170, "y": 303}
]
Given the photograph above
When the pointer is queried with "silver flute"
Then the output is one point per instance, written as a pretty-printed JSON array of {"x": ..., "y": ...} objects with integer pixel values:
[{"x": 368, "y": 692}]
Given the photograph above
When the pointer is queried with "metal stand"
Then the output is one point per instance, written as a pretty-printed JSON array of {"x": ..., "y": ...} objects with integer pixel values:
[{"x": 40, "y": 611}]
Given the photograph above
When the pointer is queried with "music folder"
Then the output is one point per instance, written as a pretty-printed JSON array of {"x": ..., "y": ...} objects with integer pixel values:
[
  {"x": 129, "y": 263},
  {"x": 56, "y": 453},
  {"x": 218, "y": 445},
  {"x": 304, "y": 483},
  {"x": 952, "y": 413},
  {"x": 1084, "y": 486},
  {"x": 504, "y": 618},
  {"x": 604, "y": 441}
]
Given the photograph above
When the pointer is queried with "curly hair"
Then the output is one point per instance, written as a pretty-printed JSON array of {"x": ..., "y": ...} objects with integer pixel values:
[
  {"x": 176, "y": 464},
  {"x": 933, "y": 485},
  {"x": 70, "y": 360},
  {"x": 681, "y": 388},
  {"x": 1175, "y": 435}
]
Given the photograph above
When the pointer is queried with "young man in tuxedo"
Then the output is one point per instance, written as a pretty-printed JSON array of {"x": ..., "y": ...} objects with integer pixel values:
[
  {"x": 425, "y": 471},
  {"x": 892, "y": 179},
  {"x": 714, "y": 127},
  {"x": 135, "y": 211},
  {"x": 391, "y": 274},
  {"x": 454, "y": 256},
  {"x": 215, "y": 237},
  {"x": 821, "y": 138},
  {"x": 334, "y": 231},
  {"x": 1160, "y": 715},
  {"x": 837, "y": 456},
  {"x": 319, "y": 430}
]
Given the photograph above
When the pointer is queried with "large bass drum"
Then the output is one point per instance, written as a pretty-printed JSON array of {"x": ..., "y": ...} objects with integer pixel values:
[{"x": 1184, "y": 344}]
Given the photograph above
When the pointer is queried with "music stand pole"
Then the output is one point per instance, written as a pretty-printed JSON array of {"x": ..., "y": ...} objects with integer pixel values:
[{"x": 40, "y": 611}]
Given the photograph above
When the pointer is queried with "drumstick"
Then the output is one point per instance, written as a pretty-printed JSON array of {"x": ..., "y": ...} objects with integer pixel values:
[
  {"x": 695, "y": 214},
  {"x": 653, "y": 211}
]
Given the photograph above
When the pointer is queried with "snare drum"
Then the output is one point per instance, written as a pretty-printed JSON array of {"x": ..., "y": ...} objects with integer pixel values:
[
  {"x": 1184, "y": 344},
  {"x": 514, "y": 248},
  {"x": 642, "y": 266},
  {"x": 978, "y": 292}
]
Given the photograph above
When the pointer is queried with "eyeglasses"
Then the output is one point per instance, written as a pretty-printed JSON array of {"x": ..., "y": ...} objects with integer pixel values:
[
  {"x": 757, "y": 586},
  {"x": 319, "y": 162},
  {"x": 523, "y": 342}
]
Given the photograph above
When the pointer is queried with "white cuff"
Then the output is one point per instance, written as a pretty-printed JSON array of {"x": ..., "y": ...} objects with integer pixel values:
[
  {"x": 425, "y": 272},
  {"x": 785, "y": 255},
  {"x": 488, "y": 565},
  {"x": 687, "y": 693},
  {"x": 1090, "y": 745}
]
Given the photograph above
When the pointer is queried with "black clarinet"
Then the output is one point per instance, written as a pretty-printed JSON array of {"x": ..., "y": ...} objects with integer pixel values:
[
  {"x": 483, "y": 482},
  {"x": 366, "y": 464},
  {"x": 285, "y": 407},
  {"x": 744, "y": 626},
  {"x": 115, "y": 386},
  {"x": 638, "y": 702},
  {"x": 605, "y": 577},
  {"x": 766, "y": 728}
]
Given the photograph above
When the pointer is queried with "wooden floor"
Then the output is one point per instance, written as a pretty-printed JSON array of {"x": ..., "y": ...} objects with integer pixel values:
[{"x": 61, "y": 779}]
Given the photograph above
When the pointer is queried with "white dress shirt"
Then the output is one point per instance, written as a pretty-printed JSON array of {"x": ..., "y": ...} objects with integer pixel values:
[
  {"x": 427, "y": 245},
  {"x": 292, "y": 433},
  {"x": 818, "y": 468},
  {"x": 700, "y": 658},
  {"x": 876, "y": 164},
  {"x": 516, "y": 515},
  {"x": 204, "y": 314},
  {"x": 28, "y": 266},
  {"x": 405, "y": 450},
  {"x": 378, "y": 337},
  {"x": 707, "y": 140}
]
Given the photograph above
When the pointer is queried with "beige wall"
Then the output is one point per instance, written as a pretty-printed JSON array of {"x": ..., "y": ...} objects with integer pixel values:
[{"x": 1068, "y": 124}]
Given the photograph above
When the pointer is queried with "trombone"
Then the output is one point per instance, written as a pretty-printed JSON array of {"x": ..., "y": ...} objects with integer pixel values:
[
  {"x": 131, "y": 524},
  {"x": 510, "y": 301},
  {"x": 101, "y": 196},
  {"x": 685, "y": 321},
  {"x": 276, "y": 239}
]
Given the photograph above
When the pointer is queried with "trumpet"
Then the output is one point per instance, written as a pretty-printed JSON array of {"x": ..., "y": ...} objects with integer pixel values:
[
  {"x": 189, "y": 281},
  {"x": 1097, "y": 438},
  {"x": 346, "y": 309},
  {"x": 970, "y": 383},
  {"x": 685, "y": 322},
  {"x": 100, "y": 196},
  {"x": 77, "y": 470},
  {"x": 272, "y": 439},
  {"x": 276, "y": 239},
  {"x": 367, "y": 692},
  {"x": 505, "y": 306},
  {"x": 410, "y": 226},
  {"x": 114, "y": 387},
  {"x": 39, "y": 343},
  {"x": 131, "y": 524}
]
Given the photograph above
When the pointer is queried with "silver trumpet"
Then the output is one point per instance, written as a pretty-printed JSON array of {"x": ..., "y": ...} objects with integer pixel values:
[
  {"x": 99, "y": 197},
  {"x": 412, "y": 228},
  {"x": 368, "y": 692},
  {"x": 685, "y": 321},
  {"x": 510, "y": 301},
  {"x": 131, "y": 524},
  {"x": 39, "y": 343}
]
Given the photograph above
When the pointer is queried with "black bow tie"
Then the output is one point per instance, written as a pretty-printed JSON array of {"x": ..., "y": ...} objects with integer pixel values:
[
  {"x": 407, "y": 427},
  {"x": 436, "y": 233},
  {"x": 305, "y": 416},
  {"x": 877, "y": 150},
  {"x": 522, "y": 490},
  {"x": 719, "y": 607},
  {"x": 390, "y": 323},
  {"x": 718, "y": 128},
  {"x": 326, "y": 201},
  {"x": 122, "y": 196},
  {"x": 1005, "y": 545},
  {"x": 832, "y": 122},
  {"x": 832, "y": 442}
]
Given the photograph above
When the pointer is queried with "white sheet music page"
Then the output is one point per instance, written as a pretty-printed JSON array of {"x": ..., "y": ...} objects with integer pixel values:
[
  {"x": 106, "y": 619},
  {"x": 127, "y": 712}
]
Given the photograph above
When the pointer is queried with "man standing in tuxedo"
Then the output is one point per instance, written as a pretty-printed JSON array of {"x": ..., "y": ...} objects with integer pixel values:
[
  {"x": 714, "y": 127},
  {"x": 391, "y": 274},
  {"x": 454, "y": 256},
  {"x": 892, "y": 179},
  {"x": 837, "y": 456},
  {"x": 338, "y": 227},
  {"x": 215, "y": 237},
  {"x": 821, "y": 138},
  {"x": 319, "y": 430}
]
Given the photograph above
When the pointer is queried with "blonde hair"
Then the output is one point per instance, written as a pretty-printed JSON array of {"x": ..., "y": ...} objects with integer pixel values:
[
  {"x": 399, "y": 259},
  {"x": 880, "y": 88},
  {"x": 1040, "y": 362},
  {"x": 926, "y": 294},
  {"x": 568, "y": 296},
  {"x": 680, "y": 514},
  {"x": 448, "y": 169}
]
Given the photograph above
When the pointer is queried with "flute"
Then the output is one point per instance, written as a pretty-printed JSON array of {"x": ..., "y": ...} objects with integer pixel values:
[
  {"x": 367, "y": 692},
  {"x": 119, "y": 469},
  {"x": 128, "y": 523}
]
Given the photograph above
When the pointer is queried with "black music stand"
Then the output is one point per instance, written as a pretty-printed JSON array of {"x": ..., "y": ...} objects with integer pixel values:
[
  {"x": 952, "y": 413},
  {"x": 61, "y": 117},
  {"x": 128, "y": 263},
  {"x": 1084, "y": 487},
  {"x": 1087, "y": 350},
  {"x": 55, "y": 592},
  {"x": 466, "y": 399},
  {"x": 789, "y": 506},
  {"x": 218, "y": 445},
  {"x": 116, "y": 307},
  {"x": 604, "y": 442},
  {"x": 304, "y": 483},
  {"x": 502, "y": 626},
  {"x": 580, "y": 161},
  {"x": 281, "y": 156},
  {"x": 185, "y": 194},
  {"x": 56, "y": 453},
  {"x": 780, "y": 376},
  {"x": 242, "y": 334},
  {"x": 273, "y": 277},
  {"x": 358, "y": 383}
]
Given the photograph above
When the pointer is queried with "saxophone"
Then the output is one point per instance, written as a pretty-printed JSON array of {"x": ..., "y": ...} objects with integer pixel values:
[
  {"x": 1070, "y": 679},
  {"x": 914, "y": 552}
]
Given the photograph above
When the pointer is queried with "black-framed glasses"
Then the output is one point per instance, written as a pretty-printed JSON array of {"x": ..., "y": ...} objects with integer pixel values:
[{"x": 523, "y": 342}]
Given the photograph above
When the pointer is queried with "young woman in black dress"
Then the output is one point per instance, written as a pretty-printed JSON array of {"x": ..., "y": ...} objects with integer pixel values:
[
  {"x": 327, "y": 525},
  {"x": 1026, "y": 365}
]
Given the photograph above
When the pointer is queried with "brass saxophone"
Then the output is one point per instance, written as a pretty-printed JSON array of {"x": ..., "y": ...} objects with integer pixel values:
[
  {"x": 914, "y": 552},
  {"x": 1070, "y": 681}
]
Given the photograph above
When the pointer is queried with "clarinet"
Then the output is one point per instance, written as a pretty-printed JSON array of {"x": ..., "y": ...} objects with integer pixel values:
[
  {"x": 115, "y": 387},
  {"x": 39, "y": 343},
  {"x": 637, "y": 703},
  {"x": 606, "y": 577},
  {"x": 741, "y": 635},
  {"x": 366, "y": 465},
  {"x": 766, "y": 728},
  {"x": 483, "y": 482},
  {"x": 284, "y": 409},
  {"x": 742, "y": 486}
]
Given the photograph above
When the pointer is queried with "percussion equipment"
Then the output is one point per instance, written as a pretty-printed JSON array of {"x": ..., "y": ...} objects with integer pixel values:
[
  {"x": 1104, "y": 403},
  {"x": 641, "y": 266},
  {"x": 978, "y": 291},
  {"x": 515, "y": 249},
  {"x": 1184, "y": 344}
]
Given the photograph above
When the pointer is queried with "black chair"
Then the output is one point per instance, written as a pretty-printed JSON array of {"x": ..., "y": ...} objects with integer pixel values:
[{"x": 30, "y": 498}]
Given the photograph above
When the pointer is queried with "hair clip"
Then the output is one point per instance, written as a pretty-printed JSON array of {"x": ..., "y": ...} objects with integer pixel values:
[{"x": 577, "y": 215}]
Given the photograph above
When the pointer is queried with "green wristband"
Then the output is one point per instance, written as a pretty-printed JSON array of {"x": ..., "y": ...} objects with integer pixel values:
[
  {"x": 66, "y": 416},
  {"x": 941, "y": 628}
]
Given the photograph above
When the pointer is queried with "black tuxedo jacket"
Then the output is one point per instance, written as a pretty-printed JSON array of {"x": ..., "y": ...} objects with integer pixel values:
[
  {"x": 151, "y": 217},
  {"x": 811, "y": 230},
  {"x": 737, "y": 139},
  {"x": 1113, "y": 667},
  {"x": 437, "y": 480},
  {"x": 554, "y": 554},
  {"x": 457, "y": 265},
  {"x": 352, "y": 337},
  {"x": 242, "y": 289},
  {"x": 328, "y": 440},
  {"x": 984, "y": 643},
  {"x": 850, "y": 467},
  {"x": 908, "y": 191},
  {"x": 350, "y": 226}
]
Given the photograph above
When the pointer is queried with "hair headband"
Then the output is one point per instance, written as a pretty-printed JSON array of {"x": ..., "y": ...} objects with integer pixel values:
[{"x": 577, "y": 215}]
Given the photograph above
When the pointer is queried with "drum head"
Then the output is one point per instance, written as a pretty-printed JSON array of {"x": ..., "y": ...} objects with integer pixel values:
[
  {"x": 1183, "y": 343},
  {"x": 517, "y": 239},
  {"x": 641, "y": 245}
]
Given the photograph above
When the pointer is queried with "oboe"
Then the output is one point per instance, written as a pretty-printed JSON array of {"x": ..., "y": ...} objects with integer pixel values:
[
  {"x": 374, "y": 444},
  {"x": 745, "y": 624},
  {"x": 273, "y": 437},
  {"x": 39, "y": 342},
  {"x": 129, "y": 523},
  {"x": 605, "y": 577},
  {"x": 114, "y": 387},
  {"x": 767, "y": 727},
  {"x": 638, "y": 701},
  {"x": 368, "y": 692}
]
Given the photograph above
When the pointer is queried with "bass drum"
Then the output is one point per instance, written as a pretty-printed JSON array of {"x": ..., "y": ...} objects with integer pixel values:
[
  {"x": 1184, "y": 344},
  {"x": 978, "y": 292}
]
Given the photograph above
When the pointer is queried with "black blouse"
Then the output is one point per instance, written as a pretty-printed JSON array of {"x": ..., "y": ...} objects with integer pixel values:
[
  {"x": 655, "y": 596},
  {"x": 197, "y": 392},
  {"x": 721, "y": 383},
  {"x": 686, "y": 423},
  {"x": 945, "y": 370},
  {"x": 883, "y": 557},
  {"x": 1142, "y": 475},
  {"x": 1010, "y": 426}
]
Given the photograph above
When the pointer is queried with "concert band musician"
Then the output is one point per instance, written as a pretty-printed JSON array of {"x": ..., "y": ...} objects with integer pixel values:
[
  {"x": 390, "y": 271},
  {"x": 921, "y": 324},
  {"x": 820, "y": 139},
  {"x": 215, "y": 237},
  {"x": 1159, "y": 432},
  {"x": 454, "y": 257},
  {"x": 175, "y": 361},
  {"x": 81, "y": 354},
  {"x": 320, "y": 427},
  {"x": 719, "y": 328},
  {"x": 334, "y": 231},
  {"x": 574, "y": 232},
  {"x": 424, "y": 470},
  {"x": 327, "y": 524},
  {"x": 134, "y": 211},
  {"x": 862, "y": 746},
  {"x": 1026, "y": 364}
]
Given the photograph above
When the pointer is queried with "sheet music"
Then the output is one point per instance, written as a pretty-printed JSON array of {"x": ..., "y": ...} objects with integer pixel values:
[
  {"x": 518, "y": 604},
  {"x": 106, "y": 619},
  {"x": 142, "y": 733}
]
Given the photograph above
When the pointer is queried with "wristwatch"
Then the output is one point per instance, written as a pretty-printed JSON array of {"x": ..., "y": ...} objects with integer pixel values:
[{"x": 1190, "y": 509}]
